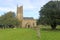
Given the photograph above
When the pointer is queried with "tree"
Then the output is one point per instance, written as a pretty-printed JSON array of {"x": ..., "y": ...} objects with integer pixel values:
[
  {"x": 9, "y": 18},
  {"x": 49, "y": 13}
]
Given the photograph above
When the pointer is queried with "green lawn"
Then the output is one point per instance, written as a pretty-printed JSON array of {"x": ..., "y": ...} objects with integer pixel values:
[
  {"x": 30, "y": 34},
  {"x": 48, "y": 34},
  {"x": 18, "y": 34}
]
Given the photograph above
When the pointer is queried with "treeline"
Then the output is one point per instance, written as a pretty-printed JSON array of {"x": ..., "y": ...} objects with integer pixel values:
[{"x": 9, "y": 20}]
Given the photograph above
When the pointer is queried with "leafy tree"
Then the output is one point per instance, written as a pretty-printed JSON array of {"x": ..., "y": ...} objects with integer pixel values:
[
  {"x": 9, "y": 18},
  {"x": 49, "y": 13}
]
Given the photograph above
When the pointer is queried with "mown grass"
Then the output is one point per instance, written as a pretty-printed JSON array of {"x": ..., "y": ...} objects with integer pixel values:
[
  {"x": 48, "y": 34},
  {"x": 18, "y": 34},
  {"x": 30, "y": 34}
]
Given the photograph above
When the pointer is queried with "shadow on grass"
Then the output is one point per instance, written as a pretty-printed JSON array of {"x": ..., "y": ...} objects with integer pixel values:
[{"x": 49, "y": 29}]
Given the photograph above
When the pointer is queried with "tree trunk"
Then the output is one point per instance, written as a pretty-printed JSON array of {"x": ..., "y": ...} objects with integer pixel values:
[{"x": 53, "y": 25}]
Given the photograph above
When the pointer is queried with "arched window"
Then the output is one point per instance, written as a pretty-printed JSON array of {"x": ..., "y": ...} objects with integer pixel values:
[{"x": 27, "y": 25}]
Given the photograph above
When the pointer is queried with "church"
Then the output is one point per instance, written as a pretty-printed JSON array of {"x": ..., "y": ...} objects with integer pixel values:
[{"x": 26, "y": 22}]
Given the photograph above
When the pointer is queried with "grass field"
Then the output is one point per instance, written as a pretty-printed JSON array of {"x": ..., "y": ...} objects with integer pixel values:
[
  {"x": 30, "y": 34},
  {"x": 48, "y": 34},
  {"x": 17, "y": 34}
]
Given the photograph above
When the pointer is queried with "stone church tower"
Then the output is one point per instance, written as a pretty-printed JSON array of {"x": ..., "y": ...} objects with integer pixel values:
[
  {"x": 25, "y": 22},
  {"x": 20, "y": 13}
]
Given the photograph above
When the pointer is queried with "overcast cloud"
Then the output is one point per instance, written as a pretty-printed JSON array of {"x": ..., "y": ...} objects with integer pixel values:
[{"x": 31, "y": 7}]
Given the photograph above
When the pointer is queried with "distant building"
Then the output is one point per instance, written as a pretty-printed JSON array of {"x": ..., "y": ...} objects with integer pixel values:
[{"x": 26, "y": 22}]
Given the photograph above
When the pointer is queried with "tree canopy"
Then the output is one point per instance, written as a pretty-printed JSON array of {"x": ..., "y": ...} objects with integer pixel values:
[
  {"x": 49, "y": 13},
  {"x": 9, "y": 18}
]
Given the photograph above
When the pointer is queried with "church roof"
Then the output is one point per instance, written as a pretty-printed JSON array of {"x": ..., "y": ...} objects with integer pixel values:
[{"x": 28, "y": 18}]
